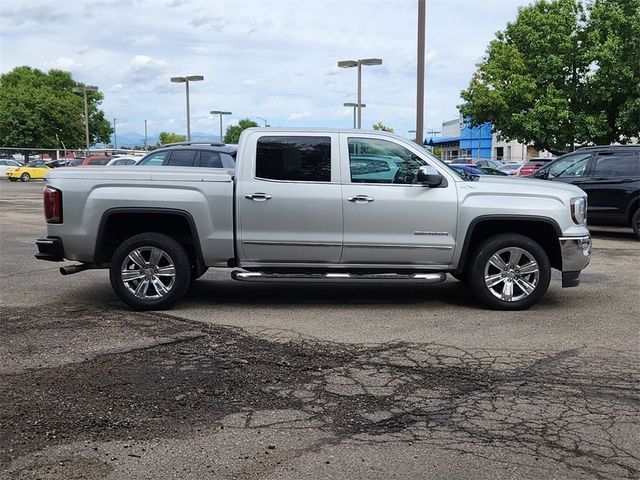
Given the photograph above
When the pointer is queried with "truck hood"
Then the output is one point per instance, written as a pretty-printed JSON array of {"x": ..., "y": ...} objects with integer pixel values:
[
  {"x": 528, "y": 186},
  {"x": 161, "y": 174}
]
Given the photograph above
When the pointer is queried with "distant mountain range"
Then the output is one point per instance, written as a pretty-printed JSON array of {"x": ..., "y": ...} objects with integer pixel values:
[{"x": 133, "y": 139}]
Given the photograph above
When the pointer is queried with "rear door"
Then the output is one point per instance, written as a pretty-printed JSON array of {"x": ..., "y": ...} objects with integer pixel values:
[
  {"x": 613, "y": 178},
  {"x": 288, "y": 200}
]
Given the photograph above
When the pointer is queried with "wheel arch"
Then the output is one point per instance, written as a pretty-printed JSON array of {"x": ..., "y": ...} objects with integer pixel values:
[
  {"x": 545, "y": 231},
  {"x": 118, "y": 224}
]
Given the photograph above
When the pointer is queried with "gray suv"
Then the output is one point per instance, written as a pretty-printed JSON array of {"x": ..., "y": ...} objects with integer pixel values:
[{"x": 192, "y": 154}]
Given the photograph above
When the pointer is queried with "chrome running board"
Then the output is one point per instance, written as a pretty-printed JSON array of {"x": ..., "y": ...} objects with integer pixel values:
[{"x": 243, "y": 276}]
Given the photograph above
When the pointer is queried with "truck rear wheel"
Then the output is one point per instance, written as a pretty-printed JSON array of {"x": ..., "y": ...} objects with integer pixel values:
[
  {"x": 635, "y": 223},
  {"x": 150, "y": 271},
  {"x": 510, "y": 272}
]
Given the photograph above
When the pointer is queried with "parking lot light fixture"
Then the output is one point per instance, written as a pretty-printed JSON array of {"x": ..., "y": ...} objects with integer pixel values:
[
  {"x": 83, "y": 90},
  {"x": 221, "y": 113},
  {"x": 358, "y": 63},
  {"x": 354, "y": 105},
  {"x": 186, "y": 80},
  {"x": 264, "y": 120}
]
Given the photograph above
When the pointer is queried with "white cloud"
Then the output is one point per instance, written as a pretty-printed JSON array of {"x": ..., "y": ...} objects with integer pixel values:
[
  {"x": 64, "y": 63},
  {"x": 298, "y": 116}
]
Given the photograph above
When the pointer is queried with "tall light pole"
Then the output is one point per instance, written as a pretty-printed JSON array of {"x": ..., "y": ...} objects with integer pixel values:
[
  {"x": 354, "y": 105},
  {"x": 115, "y": 137},
  {"x": 83, "y": 90},
  {"x": 186, "y": 80},
  {"x": 420, "y": 86},
  {"x": 263, "y": 119},
  {"x": 145, "y": 135},
  {"x": 358, "y": 63},
  {"x": 221, "y": 113}
]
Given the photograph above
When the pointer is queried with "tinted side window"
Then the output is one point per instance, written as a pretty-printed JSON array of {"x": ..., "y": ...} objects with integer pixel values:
[
  {"x": 301, "y": 159},
  {"x": 182, "y": 158},
  {"x": 617, "y": 165},
  {"x": 154, "y": 160},
  {"x": 210, "y": 159}
]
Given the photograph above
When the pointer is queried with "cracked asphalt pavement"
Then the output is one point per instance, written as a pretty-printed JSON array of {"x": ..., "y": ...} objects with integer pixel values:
[{"x": 313, "y": 381}]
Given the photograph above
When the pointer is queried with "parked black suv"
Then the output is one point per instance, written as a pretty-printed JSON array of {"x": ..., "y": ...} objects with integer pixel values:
[
  {"x": 611, "y": 177},
  {"x": 192, "y": 154}
]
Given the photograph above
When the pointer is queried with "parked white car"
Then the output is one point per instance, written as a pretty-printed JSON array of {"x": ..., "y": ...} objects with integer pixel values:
[
  {"x": 6, "y": 163},
  {"x": 122, "y": 161}
]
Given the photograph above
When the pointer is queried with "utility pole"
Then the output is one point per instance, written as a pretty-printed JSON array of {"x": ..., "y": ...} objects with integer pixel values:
[
  {"x": 145, "y": 135},
  {"x": 83, "y": 90},
  {"x": 115, "y": 137},
  {"x": 420, "y": 86}
]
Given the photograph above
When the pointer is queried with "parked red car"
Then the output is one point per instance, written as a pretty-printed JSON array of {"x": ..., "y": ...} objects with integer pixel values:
[{"x": 532, "y": 166}]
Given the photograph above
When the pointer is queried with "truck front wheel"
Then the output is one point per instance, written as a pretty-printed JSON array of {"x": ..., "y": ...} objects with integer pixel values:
[
  {"x": 150, "y": 271},
  {"x": 510, "y": 272}
]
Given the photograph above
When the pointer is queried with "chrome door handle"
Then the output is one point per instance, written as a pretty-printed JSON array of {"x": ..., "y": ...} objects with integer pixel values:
[
  {"x": 360, "y": 199},
  {"x": 258, "y": 197}
]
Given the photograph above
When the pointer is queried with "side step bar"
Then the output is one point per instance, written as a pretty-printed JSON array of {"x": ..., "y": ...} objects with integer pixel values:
[{"x": 243, "y": 276}]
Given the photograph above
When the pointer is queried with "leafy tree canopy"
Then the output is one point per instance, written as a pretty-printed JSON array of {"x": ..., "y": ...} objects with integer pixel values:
[
  {"x": 564, "y": 72},
  {"x": 233, "y": 132},
  {"x": 167, "y": 137},
  {"x": 39, "y": 109},
  {"x": 381, "y": 126}
]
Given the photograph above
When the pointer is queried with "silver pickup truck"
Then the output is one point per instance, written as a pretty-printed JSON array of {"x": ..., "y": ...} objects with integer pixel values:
[{"x": 316, "y": 205}]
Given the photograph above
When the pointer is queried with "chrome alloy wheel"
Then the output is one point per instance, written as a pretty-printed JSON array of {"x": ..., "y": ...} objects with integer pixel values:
[
  {"x": 511, "y": 274},
  {"x": 148, "y": 273}
]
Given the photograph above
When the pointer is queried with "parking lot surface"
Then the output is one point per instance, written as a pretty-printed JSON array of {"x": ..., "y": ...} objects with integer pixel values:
[{"x": 315, "y": 380}]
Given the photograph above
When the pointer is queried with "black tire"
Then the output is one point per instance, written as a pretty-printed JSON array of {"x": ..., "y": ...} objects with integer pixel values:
[
  {"x": 515, "y": 285},
  {"x": 154, "y": 255},
  {"x": 635, "y": 223},
  {"x": 25, "y": 177}
]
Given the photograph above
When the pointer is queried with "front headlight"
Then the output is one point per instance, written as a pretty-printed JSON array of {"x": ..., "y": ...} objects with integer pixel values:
[{"x": 579, "y": 210}]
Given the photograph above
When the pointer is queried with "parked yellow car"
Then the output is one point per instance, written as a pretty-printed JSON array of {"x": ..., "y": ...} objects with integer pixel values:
[{"x": 27, "y": 172}]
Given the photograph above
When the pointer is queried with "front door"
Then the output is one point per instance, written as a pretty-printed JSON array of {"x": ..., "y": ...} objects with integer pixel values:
[
  {"x": 288, "y": 201},
  {"x": 389, "y": 218}
]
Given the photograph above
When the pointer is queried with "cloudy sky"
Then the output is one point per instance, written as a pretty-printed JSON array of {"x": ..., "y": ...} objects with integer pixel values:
[{"x": 260, "y": 58}]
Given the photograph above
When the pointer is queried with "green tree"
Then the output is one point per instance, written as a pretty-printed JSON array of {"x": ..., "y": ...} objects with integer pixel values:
[
  {"x": 381, "y": 126},
  {"x": 169, "y": 137},
  {"x": 39, "y": 109},
  {"x": 563, "y": 72},
  {"x": 232, "y": 135}
]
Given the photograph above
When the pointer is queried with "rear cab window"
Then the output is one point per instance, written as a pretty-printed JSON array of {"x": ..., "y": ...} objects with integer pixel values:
[{"x": 293, "y": 158}]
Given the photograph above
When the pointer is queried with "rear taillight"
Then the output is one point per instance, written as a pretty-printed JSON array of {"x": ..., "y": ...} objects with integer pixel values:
[{"x": 52, "y": 205}]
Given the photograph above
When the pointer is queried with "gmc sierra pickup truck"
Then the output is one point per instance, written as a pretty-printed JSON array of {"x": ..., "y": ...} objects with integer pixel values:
[{"x": 316, "y": 205}]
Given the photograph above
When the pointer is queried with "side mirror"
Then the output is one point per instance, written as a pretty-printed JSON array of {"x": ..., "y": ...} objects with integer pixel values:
[
  {"x": 429, "y": 176},
  {"x": 542, "y": 173}
]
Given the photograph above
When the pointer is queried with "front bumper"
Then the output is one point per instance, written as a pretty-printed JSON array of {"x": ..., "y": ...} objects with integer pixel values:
[
  {"x": 50, "y": 249},
  {"x": 576, "y": 254}
]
